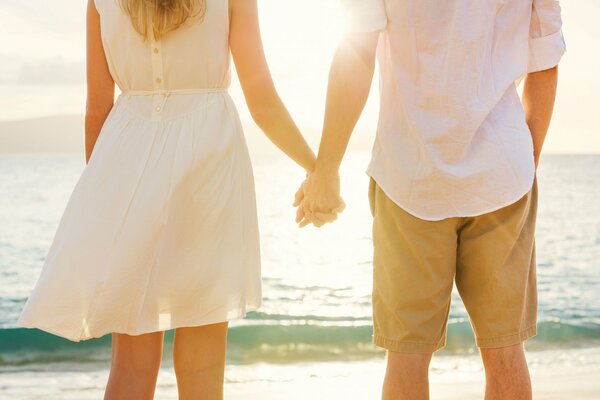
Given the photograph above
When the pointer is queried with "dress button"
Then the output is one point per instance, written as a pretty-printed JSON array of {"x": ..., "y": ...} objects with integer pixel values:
[
  {"x": 157, "y": 108},
  {"x": 155, "y": 50},
  {"x": 158, "y": 80}
]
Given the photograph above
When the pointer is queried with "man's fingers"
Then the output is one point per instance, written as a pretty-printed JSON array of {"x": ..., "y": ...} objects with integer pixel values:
[
  {"x": 314, "y": 218},
  {"x": 317, "y": 219},
  {"x": 319, "y": 224},
  {"x": 317, "y": 208},
  {"x": 310, "y": 218},
  {"x": 339, "y": 208},
  {"x": 326, "y": 217}
]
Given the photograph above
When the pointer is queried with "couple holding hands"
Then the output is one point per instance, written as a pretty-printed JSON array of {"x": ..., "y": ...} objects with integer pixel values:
[{"x": 161, "y": 230}]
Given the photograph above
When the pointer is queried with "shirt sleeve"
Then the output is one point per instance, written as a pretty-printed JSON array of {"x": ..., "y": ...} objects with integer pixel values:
[
  {"x": 364, "y": 15},
  {"x": 546, "y": 42}
]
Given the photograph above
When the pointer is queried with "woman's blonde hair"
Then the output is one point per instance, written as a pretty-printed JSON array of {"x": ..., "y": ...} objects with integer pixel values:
[{"x": 159, "y": 17}]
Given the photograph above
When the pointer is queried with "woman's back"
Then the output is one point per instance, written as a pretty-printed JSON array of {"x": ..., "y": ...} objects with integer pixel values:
[{"x": 194, "y": 56}]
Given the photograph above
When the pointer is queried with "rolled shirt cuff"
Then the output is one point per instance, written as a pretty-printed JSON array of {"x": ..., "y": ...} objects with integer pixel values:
[{"x": 545, "y": 52}]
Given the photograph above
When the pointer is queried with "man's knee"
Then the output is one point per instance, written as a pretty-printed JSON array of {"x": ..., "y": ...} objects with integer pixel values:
[{"x": 504, "y": 357}]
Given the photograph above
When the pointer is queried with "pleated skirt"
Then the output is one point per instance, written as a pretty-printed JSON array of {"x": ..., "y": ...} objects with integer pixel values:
[{"x": 161, "y": 229}]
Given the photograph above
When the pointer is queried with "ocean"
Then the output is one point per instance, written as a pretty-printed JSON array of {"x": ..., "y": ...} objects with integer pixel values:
[{"x": 315, "y": 319}]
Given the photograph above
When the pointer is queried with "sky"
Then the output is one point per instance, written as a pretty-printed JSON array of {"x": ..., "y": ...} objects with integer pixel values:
[{"x": 42, "y": 61}]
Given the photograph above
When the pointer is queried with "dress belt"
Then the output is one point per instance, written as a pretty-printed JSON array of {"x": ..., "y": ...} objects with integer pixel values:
[{"x": 168, "y": 92}]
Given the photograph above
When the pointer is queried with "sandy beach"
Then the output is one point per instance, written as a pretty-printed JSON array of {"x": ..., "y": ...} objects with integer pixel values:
[
  {"x": 546, "y": 387},
  {"x": 452, "y": 378}
]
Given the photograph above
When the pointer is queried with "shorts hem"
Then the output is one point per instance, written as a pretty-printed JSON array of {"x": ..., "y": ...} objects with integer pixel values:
[
  {"x": 507, "y": 340},
  {"x": 400, "y": 346}
]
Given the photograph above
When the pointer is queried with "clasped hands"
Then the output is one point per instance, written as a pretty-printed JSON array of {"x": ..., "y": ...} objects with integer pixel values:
[{"x": 318, "y": 200}]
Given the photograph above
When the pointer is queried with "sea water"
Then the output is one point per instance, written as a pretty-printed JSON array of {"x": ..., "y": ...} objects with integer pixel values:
[{"x": 316, "y": 282}]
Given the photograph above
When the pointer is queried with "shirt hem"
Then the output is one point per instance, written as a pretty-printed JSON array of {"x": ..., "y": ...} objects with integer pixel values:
[{"x": 417, "y": 214}]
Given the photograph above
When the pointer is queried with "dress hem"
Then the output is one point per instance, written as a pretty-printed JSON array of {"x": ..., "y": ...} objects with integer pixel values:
[{"x": 201, "y": 322}]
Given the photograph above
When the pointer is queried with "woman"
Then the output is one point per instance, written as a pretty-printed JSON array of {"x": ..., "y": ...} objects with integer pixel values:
[{"x": 161, "y": 230}]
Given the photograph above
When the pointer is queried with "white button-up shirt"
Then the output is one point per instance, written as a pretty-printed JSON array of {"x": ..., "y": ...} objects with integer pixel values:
[{"x": 452, "y": 140}]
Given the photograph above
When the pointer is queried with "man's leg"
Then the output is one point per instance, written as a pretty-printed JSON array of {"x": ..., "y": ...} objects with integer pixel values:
[
  {"x": 506, "y": 373},
  {"x": 406, "y": 376},
  {"x": 413, "y": 274},
  {"x": 496, "y": 279}
]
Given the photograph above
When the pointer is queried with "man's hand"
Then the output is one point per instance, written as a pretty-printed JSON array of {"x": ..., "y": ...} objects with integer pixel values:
[{"x": 318, "y": 199}]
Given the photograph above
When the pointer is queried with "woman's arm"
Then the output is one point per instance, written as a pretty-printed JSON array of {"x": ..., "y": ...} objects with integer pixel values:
[
  {"x": 100, "y": 85},
  {"x": 264, "y": 103}
]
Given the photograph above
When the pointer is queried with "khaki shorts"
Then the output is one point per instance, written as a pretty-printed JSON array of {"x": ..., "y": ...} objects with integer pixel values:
[{"x": 491, "y": 257}]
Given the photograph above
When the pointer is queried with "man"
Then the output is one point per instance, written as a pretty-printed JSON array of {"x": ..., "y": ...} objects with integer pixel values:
[{"x": 453, "y": 190}]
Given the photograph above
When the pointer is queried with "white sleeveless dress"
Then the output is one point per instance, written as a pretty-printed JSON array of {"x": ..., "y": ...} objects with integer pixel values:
[{"x": 161, "y": 229}]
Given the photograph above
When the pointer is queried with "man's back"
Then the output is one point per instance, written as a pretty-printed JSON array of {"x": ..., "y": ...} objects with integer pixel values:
[{"x": 452, "y": 137}]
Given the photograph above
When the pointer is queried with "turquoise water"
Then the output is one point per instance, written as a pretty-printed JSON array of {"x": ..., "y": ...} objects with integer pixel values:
[{"x": 316, "y": 282}]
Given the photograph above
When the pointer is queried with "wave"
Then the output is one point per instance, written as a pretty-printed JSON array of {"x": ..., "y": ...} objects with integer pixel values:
[{"x": 289, "y": 340}]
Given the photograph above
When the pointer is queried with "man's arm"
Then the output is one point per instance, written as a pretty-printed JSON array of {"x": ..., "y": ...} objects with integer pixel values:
[
  {"x": 546, "y": 48},
  {"x": 350, "y": 80},
  {"x": 539, "y": 94}
]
